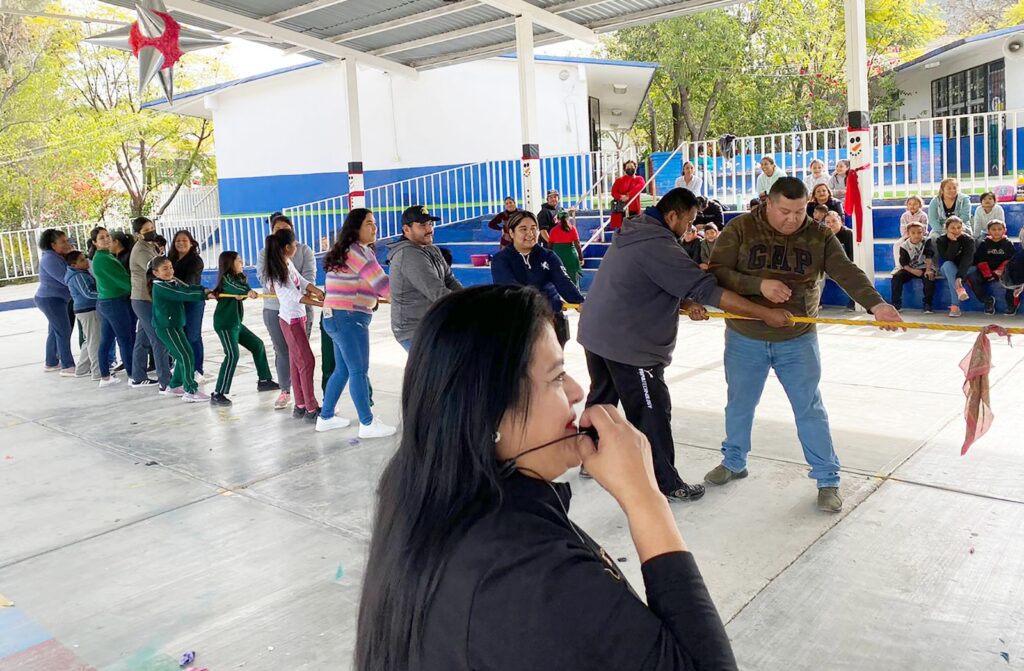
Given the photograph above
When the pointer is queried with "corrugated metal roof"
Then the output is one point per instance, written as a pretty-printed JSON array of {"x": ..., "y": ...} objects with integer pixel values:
[{"x": 431, "y": 33}]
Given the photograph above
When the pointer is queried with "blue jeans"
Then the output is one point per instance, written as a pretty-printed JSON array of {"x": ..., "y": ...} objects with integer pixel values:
[
  {"x": 406, "y": 344},
  {"x": 58, "y": 332},
  {"x": 350, "y": 332},
  {"x": 797, "y": 364},
  {"x": 950, "y": 271},
  {"x": 118, "y": 327},
  {"x": 145, "y": 340},
  {"x": 194, "y": 311}
]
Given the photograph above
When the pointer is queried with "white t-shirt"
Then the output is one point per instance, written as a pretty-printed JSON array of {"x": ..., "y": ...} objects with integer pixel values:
[
  {"x": 290, "y": 293},
  {"x": 696, "y": 185}
]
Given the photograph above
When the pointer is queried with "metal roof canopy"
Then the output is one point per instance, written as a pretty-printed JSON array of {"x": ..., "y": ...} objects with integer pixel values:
[{"x": 403, "y": 36}]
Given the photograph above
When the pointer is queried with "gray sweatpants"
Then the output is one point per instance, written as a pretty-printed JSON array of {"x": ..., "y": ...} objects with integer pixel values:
[
  {"x": 282, "y": 364},
  {"x": 89, "y": 356}
]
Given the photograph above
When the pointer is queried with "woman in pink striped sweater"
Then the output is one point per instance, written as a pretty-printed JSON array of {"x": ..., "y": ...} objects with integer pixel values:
[{"x": 355, "y": 281}]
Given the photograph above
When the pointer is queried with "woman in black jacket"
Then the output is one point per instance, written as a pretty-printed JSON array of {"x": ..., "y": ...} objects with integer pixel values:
[
  {"x": 822, "y": 195},
  {"x": 188, "y": 267},
  {"x": 474, "y": 562},
  {"x": 956, "y": 255}
]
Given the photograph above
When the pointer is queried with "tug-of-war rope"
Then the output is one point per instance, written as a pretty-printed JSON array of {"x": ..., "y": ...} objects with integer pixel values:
[{"x": 976, "y": 365}]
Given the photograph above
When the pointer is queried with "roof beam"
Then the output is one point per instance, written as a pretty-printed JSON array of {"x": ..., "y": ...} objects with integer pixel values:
[
  {"x": 307, "y": 8},
  {"x": 543, "y": 17},
  {"x": 444, "y": 37},
  {"x": 288, "y": 36}
]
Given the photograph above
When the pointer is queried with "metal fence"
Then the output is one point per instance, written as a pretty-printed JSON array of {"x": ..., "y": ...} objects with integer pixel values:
[{"x": 984, "y": 152}]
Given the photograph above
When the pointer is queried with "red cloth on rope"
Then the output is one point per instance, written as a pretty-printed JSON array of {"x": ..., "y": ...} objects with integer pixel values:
[
  {"x": 854, "y": 203},
  {"x": 166, "y": 44},
  {"x": 976, "y": 366}
]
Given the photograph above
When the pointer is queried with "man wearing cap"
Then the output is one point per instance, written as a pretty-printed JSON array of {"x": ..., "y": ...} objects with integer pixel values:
[
  {"x": 419, "y": 274},
  {"x": 304, "y": 262},
  {"x": 548, "y": 216}
]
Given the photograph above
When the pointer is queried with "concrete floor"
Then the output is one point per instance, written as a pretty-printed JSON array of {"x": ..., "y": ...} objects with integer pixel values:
[{"x": 134, "y": 527}]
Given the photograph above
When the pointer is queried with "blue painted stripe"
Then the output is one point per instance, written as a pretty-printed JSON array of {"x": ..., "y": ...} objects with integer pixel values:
[
  {"x": 946, "y": 48},
  {"x": 18, "y": 633}
]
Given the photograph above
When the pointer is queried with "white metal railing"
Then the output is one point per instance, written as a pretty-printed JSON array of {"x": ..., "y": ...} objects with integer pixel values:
[
  {"x": 197, "y": 202},
  {"x": 983, "y": 151},
  {"x": 19, "y": 249}
]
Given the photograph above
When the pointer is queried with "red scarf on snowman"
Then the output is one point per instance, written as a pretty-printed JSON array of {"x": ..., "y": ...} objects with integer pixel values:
[{"x": 853, "y": 204}]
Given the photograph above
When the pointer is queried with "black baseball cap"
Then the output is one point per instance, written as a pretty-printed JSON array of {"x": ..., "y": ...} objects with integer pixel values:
[{"x": 417, "y": 214}]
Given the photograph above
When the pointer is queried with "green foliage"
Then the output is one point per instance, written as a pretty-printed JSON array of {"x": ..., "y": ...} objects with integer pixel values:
[
  {"x": 1014, "y": 15},
  {"x": 765, "y": 67}
]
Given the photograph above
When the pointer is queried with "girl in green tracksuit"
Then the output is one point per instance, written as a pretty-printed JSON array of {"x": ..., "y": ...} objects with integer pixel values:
[
  {"x": 169, "y": 297},
  {"x": 232, "y": 287}
]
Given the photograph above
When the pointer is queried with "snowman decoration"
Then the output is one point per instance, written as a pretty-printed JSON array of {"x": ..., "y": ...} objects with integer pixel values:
[{"x": 857, "y": 143}]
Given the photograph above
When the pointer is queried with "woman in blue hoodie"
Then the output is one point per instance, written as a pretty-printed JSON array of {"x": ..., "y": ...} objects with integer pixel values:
[
  {"x": 54, "y": 300},
  {"x": 525, "y": 263}
]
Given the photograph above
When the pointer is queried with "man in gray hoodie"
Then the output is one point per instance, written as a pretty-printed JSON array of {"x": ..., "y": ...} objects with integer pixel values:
[
  {"x": 418, "y": 272},
  {"x": 629, "y": 325}
]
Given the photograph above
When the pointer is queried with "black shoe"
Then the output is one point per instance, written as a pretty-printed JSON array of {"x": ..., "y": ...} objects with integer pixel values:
[
  {"x": 899, "y": 308},
  {"x": 990, "y": 306},
  {"x": 311, "y": 415},
  {"x": 118, "y": 368},
  {"x": 299, "y": 413},
  {"x": 1010, "y": 311},
  {"x": 686, "y": 493},
  {"x": 267, "y": 385},
  {"x": 219, "y": 399},
  {"x": 144, "y": 382},
  {"x": 928, "y": 310}
]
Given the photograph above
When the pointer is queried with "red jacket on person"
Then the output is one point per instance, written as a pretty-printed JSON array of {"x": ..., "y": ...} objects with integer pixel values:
[{"x": 628, "y": 186}]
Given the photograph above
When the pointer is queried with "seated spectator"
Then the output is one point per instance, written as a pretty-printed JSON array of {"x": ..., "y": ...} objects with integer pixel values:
[
  {"x": 948, "y": 203},
  {"x": 916, "y": 262},
  {"x": 817, "y": 175},
  {"x": 446, "y": 254},
  {"x": 820, "y": 212},
  {"x": 709, "y": 211},
  {"x": 991, "y": 259},
  {"x": 500, "y": 221},
  {"x": 690, "y": 180},
  {"x": 988, "y": 211},
  {"x": 770, "y": 173},
  {"x": 708, "y": 245},
  {"x": 822, "y": 195},
  {"x": 1013, "y": 279},
  {"x": 837, "y": 182},
  {"x": 955, "y": 251},
  {"x": 754, "y": 202},
  {"x": 913, "y": 215},
  {"x": 691, "y": 243},
  {"x": 835, "y": 223}
]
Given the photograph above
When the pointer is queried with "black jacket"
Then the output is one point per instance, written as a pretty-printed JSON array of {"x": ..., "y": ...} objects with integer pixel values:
[
  {"x": 833, "y": 205},
  {"x": 845, "y": 237},
  {"x": 692, "y": 248},
  {"x": 544, "y": 272},
  {"x": 959, "y": 251},
  {"x": 526, "y": 590},
  {"x": 189, "y": 269},
  {"x": 712, "y": 214},
  {"x": 990, "y": 255},
  {"x": 546, "y": 217}
]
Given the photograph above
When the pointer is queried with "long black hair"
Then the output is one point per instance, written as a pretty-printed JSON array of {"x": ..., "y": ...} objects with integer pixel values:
[
  {"x": 349, "y": 234},
  {"x": 91, "y": 246},
  {"x": 276, "y": 267},
  {"x": 468, "y": 367},
  {"x": 173, "y": 254},
  {"x": 127, "y": 242},
  {"x": 225, "y": 268},
  {"x": 154, "y": 263}
]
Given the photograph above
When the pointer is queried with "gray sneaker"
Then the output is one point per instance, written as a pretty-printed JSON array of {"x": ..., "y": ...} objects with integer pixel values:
[
  {"x": 719, "y": 475},
  {"x": 828, "y": 500}
]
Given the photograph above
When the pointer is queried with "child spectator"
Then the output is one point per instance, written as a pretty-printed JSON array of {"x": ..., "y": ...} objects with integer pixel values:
[
  {"x": 914, "y": 214},
  {"x": 955, "y": 251},
  {"x": 916, "y": 261},
  {"x": 82, "y": 286},
  {"x": 835, "y": 223},
  {"x": 1013, "y": 279},
  {"x": 708, "y": 245},
  {"x": 691, "y": 243},
  {"x": 820, "y": 212},
  {"x": 837, "y": 182},
  {"x": 991, "y": 261},
  {"x": 754, "y": 202},
  {"x": 988, "y": 211},
  {"x": 817, "y": 175},
  {"x": 446, "y": 254}
]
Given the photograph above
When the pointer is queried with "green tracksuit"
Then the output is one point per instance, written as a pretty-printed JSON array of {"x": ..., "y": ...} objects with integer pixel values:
[
  {"x": 169, "y": 300},
  {"x": 227, "y": 322}
]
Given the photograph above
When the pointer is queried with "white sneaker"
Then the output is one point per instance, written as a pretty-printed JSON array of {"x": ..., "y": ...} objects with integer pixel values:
[
  {"x": 68, "y": 372},
  {"x": 172, "y": 391},
  {"x": 198, "y": 397},
  {"x": 110, "y": 381},
  {"x": 331, "y": 424},
  {"x": 51, "y": 369},
  {"x": 376, "y": 429}
]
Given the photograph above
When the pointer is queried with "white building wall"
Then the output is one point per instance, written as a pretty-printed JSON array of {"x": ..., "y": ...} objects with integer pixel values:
[
  {"x": 294, "y": 123},
  {"x": 917, "y": 81}
]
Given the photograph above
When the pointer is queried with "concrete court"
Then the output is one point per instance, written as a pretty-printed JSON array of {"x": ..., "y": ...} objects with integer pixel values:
[{"x": 134, "y": 527}]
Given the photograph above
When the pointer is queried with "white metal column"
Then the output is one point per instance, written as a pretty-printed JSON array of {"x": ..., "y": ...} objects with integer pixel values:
[
  {"x": 532, "y": 198},
  {"x": 356, "y": 191},
  {"x": 859, "y": 140}
]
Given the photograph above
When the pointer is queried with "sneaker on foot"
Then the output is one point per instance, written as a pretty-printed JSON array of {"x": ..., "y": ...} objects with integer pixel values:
[
  {"x": 196, "y": 397},
  {"x": 312, "y": 415},
  {"x": 928, "y": 310},
  {"x": 961, "y": 293},
  {"x": 267, "y": 385},
  {"x": 84, "y": 373},
  {"x": 828, "y": 500},
  {"x": 1010, "y": 311},
  {"x": 954, "y": 311},
  {"x": 298, "y": 413},
  {"x": 990, "y": 306},
  {"x": 719, "y": 475},
  {"x": 68, "y": 372},
  {"x": 283, "y": 399},
  {"x": 376, "y": 429},
  {"x": 118, "y": 368},
  {"x": 686, "y": 493},
  {"x": 109, "y": 381},
  {"x": 51, "y": 369},
  {"x": 144, "y": 382},
  {"x": 219, "y": 399},
  {"x": 172, "y": 391},
  {"x": 331, "y": 423}
]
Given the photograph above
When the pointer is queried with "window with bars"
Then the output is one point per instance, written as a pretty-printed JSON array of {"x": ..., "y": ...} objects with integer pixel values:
[{"x": 974, "y": 91}]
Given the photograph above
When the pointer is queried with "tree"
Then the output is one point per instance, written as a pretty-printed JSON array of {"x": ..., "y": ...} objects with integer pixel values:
[{"x": 1014, "y": 15}]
